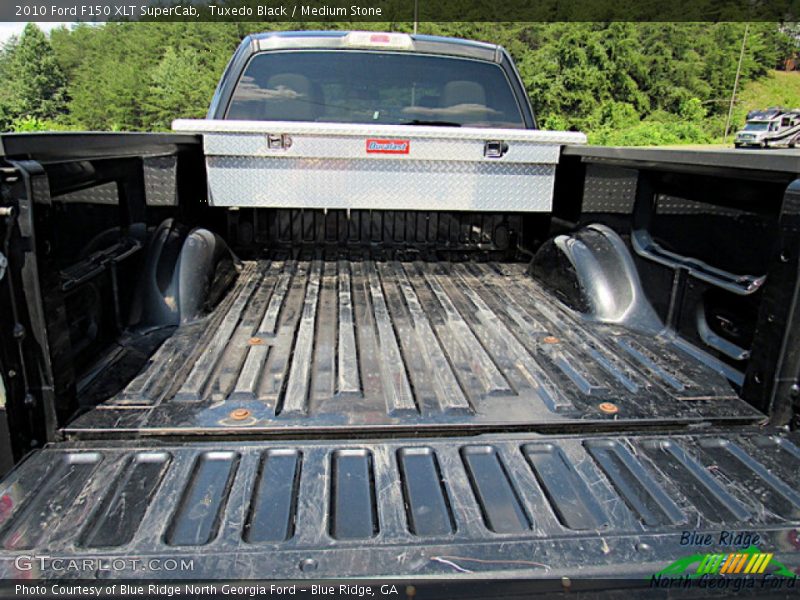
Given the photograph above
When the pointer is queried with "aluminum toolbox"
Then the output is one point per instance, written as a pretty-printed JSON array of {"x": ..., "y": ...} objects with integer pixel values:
[{"x": 388, "y": 167}]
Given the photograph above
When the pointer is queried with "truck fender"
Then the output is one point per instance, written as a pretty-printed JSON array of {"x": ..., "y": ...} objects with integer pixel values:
[
  {"x": 592, "y": 272},
  {"x": 185, "y": 274}
]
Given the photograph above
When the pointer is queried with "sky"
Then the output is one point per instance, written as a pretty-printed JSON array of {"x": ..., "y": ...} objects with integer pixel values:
[{"x": 8, "y": 29}]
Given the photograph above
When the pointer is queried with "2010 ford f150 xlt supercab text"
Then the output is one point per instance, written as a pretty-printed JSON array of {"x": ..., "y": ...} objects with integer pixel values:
[{"x": 367, "y": 321}]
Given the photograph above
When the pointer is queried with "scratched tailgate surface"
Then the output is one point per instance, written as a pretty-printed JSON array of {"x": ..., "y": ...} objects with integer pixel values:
[
  {"x": 321, "y": 342},
  {"x": 512, "y": 504}
]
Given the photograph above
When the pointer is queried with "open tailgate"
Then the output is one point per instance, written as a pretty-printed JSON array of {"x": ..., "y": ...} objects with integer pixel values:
[{"x": 510, "y": 505}]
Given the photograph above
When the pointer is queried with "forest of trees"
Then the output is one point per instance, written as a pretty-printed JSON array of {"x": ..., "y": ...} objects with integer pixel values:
[{"x": 623, "y": 83}]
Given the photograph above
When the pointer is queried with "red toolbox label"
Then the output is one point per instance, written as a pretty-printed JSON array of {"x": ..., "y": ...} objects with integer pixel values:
[{"x": 375, "y": 146}]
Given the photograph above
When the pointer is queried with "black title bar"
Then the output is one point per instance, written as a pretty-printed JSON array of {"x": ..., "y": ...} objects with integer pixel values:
[{"x": 393, "y": 11}]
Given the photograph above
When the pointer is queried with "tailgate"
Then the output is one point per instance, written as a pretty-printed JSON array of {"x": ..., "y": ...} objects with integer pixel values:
[{"x": 510, "y": 505}]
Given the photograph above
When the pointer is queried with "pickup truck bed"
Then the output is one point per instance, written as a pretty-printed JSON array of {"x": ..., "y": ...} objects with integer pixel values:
[
  {"x": 393, "y": 406},
  {"x": 330, "y": 342}
]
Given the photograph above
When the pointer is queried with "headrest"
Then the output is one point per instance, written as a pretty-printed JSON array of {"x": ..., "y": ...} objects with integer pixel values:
[
  {"x": 290, "y": 97},
  {"x": 463, "y": 92}
]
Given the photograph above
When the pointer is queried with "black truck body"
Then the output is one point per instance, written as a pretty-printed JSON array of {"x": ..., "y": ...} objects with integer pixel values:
[{"x": 307, "y": 393}]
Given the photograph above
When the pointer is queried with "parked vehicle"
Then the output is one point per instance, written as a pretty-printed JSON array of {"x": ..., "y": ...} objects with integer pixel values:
[
  {"x": 768, "y": 128},
  {"x": 367, "y": 321}
]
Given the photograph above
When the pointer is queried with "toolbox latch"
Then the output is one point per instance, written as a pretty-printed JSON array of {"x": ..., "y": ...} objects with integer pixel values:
[
  {"x": 278, "y": 142},
  {"x": 495, "y": 149}
]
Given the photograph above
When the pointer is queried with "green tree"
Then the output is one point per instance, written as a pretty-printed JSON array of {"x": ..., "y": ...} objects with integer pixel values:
[
  {"x": 180, "y": 87},
  {"x": 113, "y": 67},
  {"x": 34, "y": 86}
]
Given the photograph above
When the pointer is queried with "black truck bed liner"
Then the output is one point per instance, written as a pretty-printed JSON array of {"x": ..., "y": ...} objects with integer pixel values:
[
  {"x": 321, "y": 343},
  {"x": 515, "y": 505}
]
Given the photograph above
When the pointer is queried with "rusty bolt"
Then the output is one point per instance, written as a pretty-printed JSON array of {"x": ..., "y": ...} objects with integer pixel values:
[
  {"x": 255, "y": 341},
  {"x": 240, "y": 414},
  {"x": 609, "y": 408},
  {"x": 551, "y": 339}
]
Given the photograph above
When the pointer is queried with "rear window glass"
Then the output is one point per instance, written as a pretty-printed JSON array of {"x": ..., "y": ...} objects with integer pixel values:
[{"x": 370, "y": 87}]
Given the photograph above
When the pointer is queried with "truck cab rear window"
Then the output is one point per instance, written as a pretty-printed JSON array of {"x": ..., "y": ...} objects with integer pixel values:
[{"x": 371, "y": 87}]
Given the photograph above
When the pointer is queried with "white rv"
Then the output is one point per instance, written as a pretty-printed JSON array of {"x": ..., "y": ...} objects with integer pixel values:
[{"x": 770, "y": 127}]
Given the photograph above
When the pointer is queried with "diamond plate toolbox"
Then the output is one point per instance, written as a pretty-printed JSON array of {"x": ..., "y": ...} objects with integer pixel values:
[{"x": 385, "y": 167}]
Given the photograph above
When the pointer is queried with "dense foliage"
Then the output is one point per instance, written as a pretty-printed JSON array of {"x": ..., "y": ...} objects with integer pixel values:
[
  {"x": 34, "y": 83},
  {"x": 624, "y": 83}
]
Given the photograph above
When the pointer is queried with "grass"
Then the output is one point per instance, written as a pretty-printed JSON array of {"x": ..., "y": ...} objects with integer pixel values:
[{"x": 779, "y": 88}]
